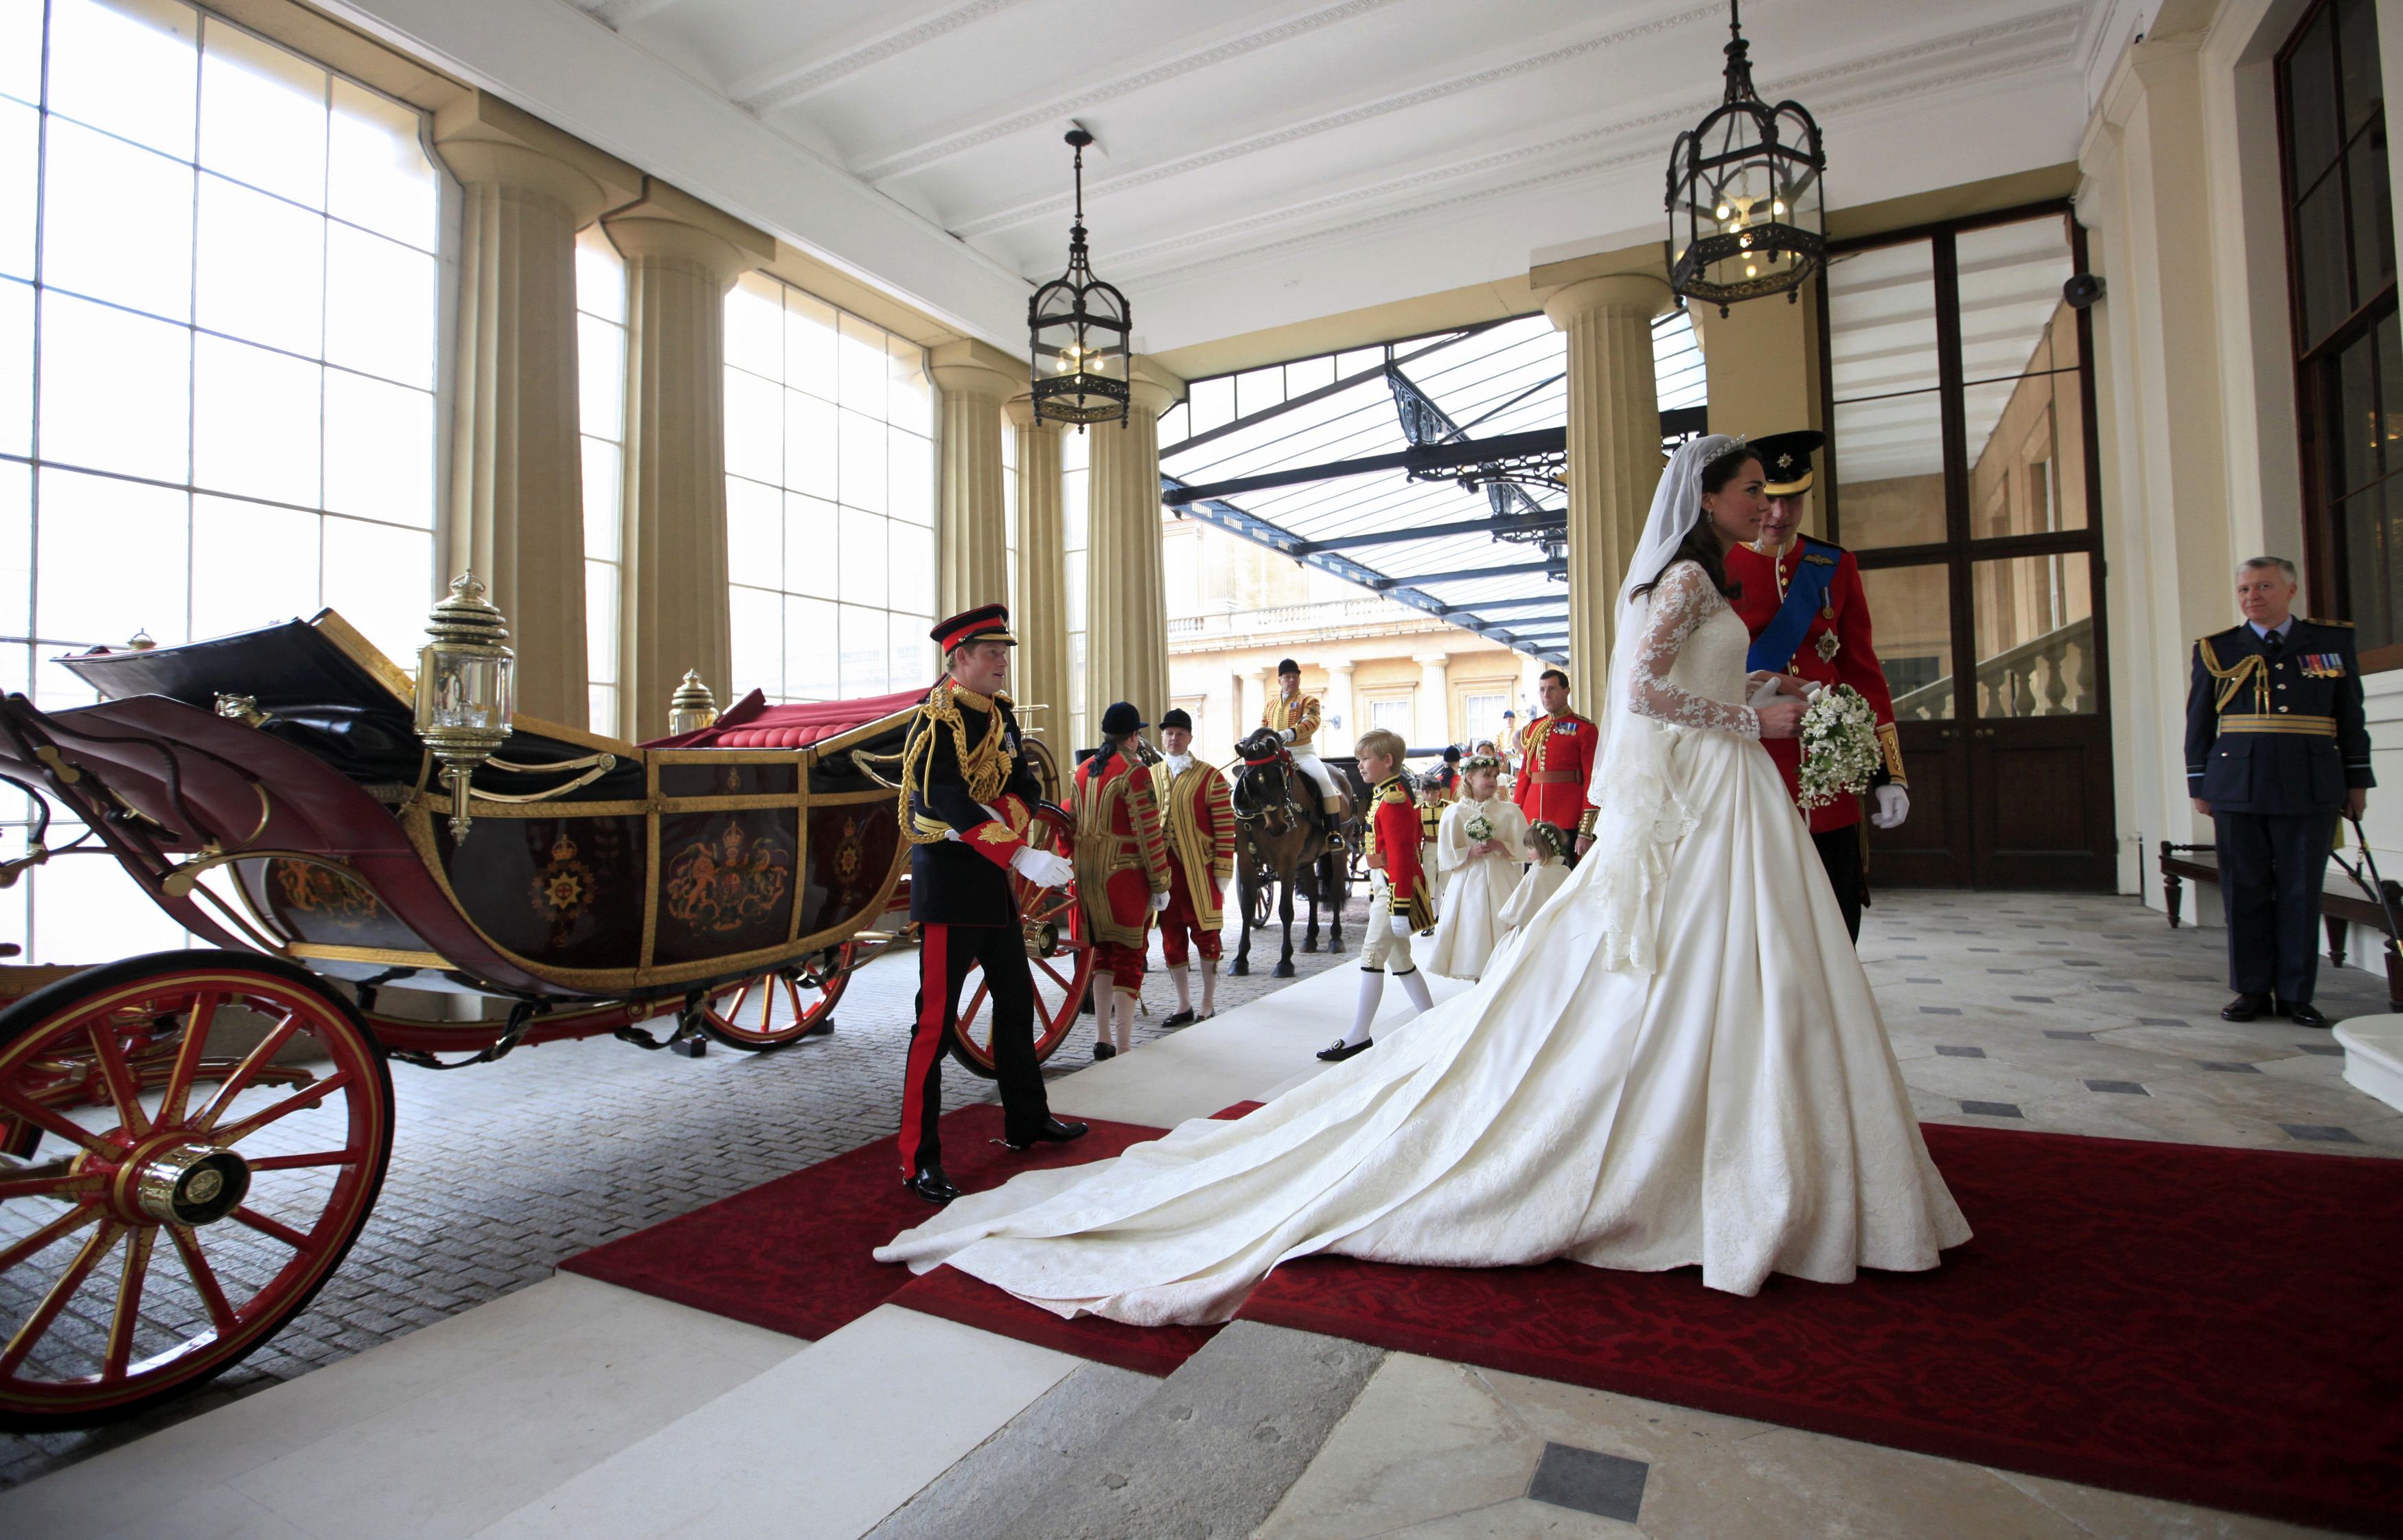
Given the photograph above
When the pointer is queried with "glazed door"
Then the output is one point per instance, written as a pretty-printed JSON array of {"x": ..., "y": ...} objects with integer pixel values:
[{"x": 1961, "y": 474}]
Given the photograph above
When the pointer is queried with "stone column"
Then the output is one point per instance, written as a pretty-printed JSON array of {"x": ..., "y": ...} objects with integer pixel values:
[
  {"x": 1339, "y": 705},
  {"x": 681, "y": 259},
  {"x": 971, "y": 539},
  {"x": 517, "y": 483},
  {"x": 1038, "y": 611},
  {"x": 1434, "y": 728},
  {"x": 1614, "y": 438},
  {"x": 1126, "y": 605},
  {"x": 1252, "y": 701}
]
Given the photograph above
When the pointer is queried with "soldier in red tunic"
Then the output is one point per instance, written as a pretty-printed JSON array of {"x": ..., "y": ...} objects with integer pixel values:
[
  {"x": 1556, "y": 763},
  {"x": 1199, "y": 822},
  {"x": 1121, "y": 868},
  {"x": 1401, "y": 903},
  {"x": 1801, "y": 600}
]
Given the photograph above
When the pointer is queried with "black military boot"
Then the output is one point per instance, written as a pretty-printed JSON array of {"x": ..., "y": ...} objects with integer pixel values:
[{"x": 930, "y": 1184}]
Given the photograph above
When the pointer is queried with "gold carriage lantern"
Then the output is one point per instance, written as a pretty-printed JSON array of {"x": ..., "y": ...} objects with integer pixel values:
[
  {"x": 1747, "y": 215},
  {"x": 467, "y": 688},
  {"x": 1077, "y": 328}
]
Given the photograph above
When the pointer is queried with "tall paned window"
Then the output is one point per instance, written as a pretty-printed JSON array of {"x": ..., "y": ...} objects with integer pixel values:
[
  {"x": 2348, "y": 351},
  {"x": 601, "y": 412},
  {"x": 1076, "y": 456},
  {"x": 829, "y": 499},
  {"x": 223, "y": 258}
]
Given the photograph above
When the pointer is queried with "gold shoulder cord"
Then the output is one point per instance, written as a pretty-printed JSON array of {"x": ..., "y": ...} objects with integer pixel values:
[
  {"x": 2231, "y": 680},
  {"x": 983, "y": 765}
]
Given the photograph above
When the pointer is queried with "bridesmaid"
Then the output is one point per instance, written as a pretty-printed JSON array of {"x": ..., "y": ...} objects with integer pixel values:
[{"x": 1482, "y": 844}]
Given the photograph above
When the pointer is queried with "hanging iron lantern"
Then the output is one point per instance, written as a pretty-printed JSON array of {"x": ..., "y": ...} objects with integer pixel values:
[
  {"x": 1077, "y": 328},
  {"x": 1746, "y": 214}
]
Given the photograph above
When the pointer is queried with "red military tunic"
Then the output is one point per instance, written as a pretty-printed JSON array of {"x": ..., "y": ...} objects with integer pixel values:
[
  {"x": 1835, "y": 650},
  {"x": 1122, "y": 861},
  {"x": 1555, "y": 767},
  {"x": 1394, "y": 848},
  {"x": 1201, "y": 835}
]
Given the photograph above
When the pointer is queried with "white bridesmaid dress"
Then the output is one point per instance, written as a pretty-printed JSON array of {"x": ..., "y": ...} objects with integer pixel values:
[
  {"x": 1734, "y": 1104},
  {"x": 1469, "y": 925}
]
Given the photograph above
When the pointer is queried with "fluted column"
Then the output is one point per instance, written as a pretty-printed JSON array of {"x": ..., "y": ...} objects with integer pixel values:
[
  {"x": 1126, "y": 604},
  {"x": 971, "y": 537},
  {"x": 678, "y": 269},
  {"x": 517, "y": 483},
  {"x": 1435, "y": 700},
  {"x": 1038, "y": 611},
  {"x": 1613, "y": 441}
]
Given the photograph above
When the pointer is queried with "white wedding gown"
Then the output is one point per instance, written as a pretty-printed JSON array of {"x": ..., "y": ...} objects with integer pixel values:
[{"x": 1738, "y": 1107}]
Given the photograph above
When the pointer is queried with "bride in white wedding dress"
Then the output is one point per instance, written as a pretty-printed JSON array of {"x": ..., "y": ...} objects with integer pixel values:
[{"x": 1677, "y": 1060}]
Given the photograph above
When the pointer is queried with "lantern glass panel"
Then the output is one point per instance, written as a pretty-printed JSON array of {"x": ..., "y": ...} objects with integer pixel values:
[{"x": 465, "y": 688}]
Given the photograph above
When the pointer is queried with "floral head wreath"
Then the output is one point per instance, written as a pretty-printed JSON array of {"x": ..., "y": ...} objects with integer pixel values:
[
  {"x": 1476, "y": 762},
  {"x": 1551, "y": 835}
]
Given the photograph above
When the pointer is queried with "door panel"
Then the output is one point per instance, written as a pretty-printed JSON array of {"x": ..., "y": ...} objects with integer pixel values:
[{"x": 2045, "y": 817}]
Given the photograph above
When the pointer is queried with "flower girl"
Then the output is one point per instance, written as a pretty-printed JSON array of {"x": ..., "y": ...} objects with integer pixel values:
[
  {"x": 1481, "y": 843},
  {"x": 1549, "y": 846}
]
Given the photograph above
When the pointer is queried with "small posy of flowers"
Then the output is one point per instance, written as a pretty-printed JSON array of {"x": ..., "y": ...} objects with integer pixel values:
[
  {"x": 1478, "y": 828},
  {"x": 1839, "y": 747}
]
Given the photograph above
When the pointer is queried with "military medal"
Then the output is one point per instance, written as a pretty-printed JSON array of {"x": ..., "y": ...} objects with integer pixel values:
[{"x": 1827, "y": 645}]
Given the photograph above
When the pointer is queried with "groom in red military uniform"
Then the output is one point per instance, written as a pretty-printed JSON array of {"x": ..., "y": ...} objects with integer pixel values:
[
  {"x": 1801, "y": 600},
  {"x": 1556, "y": 763}
]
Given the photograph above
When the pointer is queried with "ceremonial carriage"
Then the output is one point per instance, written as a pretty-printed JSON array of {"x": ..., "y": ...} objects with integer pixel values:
[{"x": 190, "y": 1141}]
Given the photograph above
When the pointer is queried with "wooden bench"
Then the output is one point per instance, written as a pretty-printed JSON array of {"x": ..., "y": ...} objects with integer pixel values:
[{"x": 2342, "y": 904}]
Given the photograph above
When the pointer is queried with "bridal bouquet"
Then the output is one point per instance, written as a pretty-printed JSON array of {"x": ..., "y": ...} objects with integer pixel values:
[
  {"x": 1478, "y": 827},
  {"x": 1839, "y": 747}
]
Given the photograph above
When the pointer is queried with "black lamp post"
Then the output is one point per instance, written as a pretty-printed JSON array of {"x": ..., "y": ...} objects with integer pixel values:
[
  {"x": 1747, "y": 212},
  {"x": 1077, "y": 330}
]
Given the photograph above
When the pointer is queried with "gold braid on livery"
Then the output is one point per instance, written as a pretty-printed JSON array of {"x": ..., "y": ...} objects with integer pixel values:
[{"x": 982, "y": 764}]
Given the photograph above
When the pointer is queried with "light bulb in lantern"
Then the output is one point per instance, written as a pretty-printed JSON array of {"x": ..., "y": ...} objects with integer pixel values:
[
  {"x": 1723, "y": 211},
  {"x": 1751, "y": 272},
  {"x": 1778, "y": 208}
]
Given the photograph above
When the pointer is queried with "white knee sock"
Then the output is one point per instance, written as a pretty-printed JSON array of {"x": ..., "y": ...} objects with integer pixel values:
[
  {"x": 1184, "y": 978},
  {"x": 1104, "y": 991},
  {"x": 1209, "y": 984},
  {"x": 1122, "y": 1020},
  {"x": 1372, "y": 988},
  {"x": 1415, "y": 985}
]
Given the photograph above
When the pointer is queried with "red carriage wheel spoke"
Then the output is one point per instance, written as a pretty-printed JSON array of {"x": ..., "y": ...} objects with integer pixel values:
[
  {"x": 122, "y": 1092},
  {"x": 1054, "y": 974},
  {"x": 321, "y": 1157},
  {"x": 742, "y": 996},
  {"x": 265, "y": 1226},
  {"x": 252, "y": 1062},
  {"x": 197, "y": 1027},
  {"x": 57, "y": 1183},
  {"x": 38, "y": 1324},
  {"x": 50, "y": 1120},
  {"x": 129, "y": 1303},
  {"x": 57, "y": 1230},
  {"x": 235, "y": 1133},
  {"x": 204, "y": 1278}
]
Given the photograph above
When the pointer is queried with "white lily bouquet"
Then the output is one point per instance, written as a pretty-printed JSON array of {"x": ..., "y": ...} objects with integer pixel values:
[
  {"x": 1839, "y": 747},
  {"x": 1478, "y": 827}
]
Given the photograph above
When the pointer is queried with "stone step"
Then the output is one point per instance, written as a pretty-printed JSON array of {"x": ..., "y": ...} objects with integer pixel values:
[{"x": 2373, "y": 1056}]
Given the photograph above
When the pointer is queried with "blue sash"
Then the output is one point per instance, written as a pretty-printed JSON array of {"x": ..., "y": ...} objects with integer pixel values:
[{"x": 1774, "y": 647}]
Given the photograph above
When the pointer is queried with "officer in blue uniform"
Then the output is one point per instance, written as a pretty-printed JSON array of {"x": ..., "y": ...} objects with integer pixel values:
[{"x": 2276, "y": 751}]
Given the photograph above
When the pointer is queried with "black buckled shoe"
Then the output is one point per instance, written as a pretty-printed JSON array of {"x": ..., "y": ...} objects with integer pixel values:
[
  {"x": 930, "y": 1184},
  {"x": 1052, "y": 1131},
  {"x": 2302, "y": 1013},
  {"x": 2244, "y": 1008},
  {"x": 1339, "y": 1050},
  {"x": 1103, "y": 1051},
  {"x": 1179, "y": 1018}
]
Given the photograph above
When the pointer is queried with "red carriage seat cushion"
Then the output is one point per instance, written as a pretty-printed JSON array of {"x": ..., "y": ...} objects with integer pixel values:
[{"x": 751, "y": 723}]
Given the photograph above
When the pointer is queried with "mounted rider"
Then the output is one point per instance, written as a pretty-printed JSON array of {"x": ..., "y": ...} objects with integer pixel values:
[{"x": 1294, "y": 719}]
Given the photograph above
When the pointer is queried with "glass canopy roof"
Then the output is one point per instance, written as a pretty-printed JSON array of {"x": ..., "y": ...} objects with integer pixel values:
[{"x": 1482, "y": 381}]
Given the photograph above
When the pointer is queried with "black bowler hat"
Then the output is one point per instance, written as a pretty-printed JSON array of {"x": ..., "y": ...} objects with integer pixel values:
[
  {"x": 1451, "y": 754},
  {"x": 1786, "y": 460},
  {"x": 984, "y": 623},
  {"x": 1121, "y": 720},
  {"x": 1288, "y": 666},
  {"x": 1175, "y": 717}
]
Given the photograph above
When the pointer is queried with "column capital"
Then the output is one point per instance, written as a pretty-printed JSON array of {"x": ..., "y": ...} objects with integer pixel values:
[
  {"x": 1155, "y": 390},
  {"x": 1642, "y": 292},
  {"x": 970, "y": 367},
  {"x": 1431, "y": 659},
  {"x": 1022, "y": 414},
  {"x": 1341, "y": 671},
  {"x": 672, "y": 226},
  {"x": 485, "y": 142}
]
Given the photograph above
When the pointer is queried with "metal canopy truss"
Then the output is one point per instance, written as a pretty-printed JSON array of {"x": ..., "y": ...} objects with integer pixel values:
[{"x": 1474, "y": 422}]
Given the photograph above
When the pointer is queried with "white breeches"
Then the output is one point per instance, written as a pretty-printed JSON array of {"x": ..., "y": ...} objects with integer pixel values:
[
  {"x": 1379, "y": 948},
  {"x": 1308, "y": 762}
]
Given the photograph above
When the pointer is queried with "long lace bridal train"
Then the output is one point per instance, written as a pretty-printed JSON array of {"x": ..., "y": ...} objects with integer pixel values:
[{"x": 1734, "y": 1104}]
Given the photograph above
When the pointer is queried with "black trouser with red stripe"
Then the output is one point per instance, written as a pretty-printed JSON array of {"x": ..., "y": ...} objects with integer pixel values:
[{"x": 945, "y": 955}]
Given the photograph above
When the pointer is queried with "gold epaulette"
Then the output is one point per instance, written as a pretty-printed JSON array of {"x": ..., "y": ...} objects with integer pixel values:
[{"x": 1397, "y": 793}]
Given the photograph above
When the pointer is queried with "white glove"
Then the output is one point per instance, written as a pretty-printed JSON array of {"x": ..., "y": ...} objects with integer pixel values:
[
  {"x": 1041, "y": 867},
  {"x": 1284, "y": 735},
  {"x": 1893, "y": 807},
  {"x": 1159, "y": 902},
  {"x": 1402, "y": 926}
]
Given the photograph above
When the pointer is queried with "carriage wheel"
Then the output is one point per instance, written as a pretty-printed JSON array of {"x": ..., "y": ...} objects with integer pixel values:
[
  {"x": 781, "y": 1006},
  {"x": 1061, "y": 962},
  {"x": 213, "y": 1127},
  {"x": 1260, "y": 897}
]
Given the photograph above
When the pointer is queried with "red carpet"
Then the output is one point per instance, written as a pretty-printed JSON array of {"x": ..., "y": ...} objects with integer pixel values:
[{"x": 2210, "y": 1326}]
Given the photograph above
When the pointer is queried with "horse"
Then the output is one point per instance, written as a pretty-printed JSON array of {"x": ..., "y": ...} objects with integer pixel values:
[{"x": 1278, "y": 838}]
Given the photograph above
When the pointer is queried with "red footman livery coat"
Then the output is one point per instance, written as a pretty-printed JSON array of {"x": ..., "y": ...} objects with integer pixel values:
[
  {"x": 1200, "y": 830},
  {"x": 1394, "y": 836},
  {"x": 1122, "y": 859}
]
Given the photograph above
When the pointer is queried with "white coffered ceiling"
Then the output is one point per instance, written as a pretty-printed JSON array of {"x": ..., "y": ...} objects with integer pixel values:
[{"x": 1259, "y": 161}]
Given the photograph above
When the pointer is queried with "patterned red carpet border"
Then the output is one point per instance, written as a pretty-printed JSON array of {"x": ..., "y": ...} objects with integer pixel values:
[{"x": 2203, "y": 1325}]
